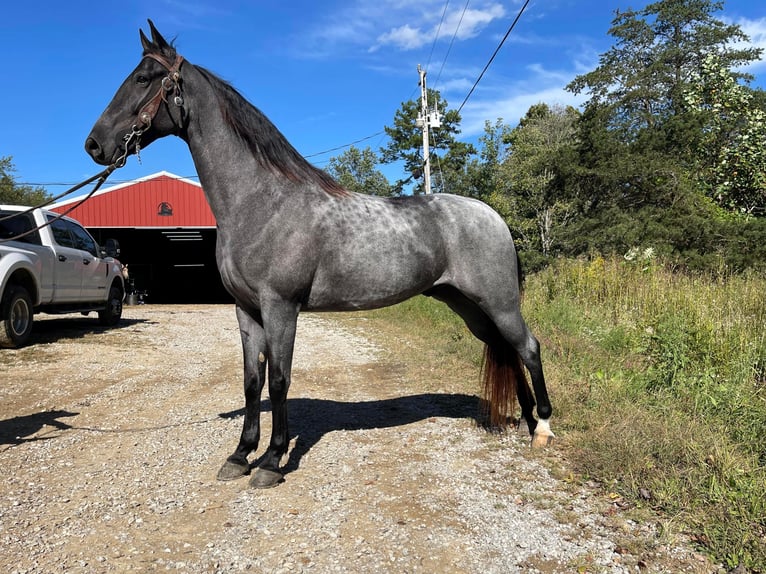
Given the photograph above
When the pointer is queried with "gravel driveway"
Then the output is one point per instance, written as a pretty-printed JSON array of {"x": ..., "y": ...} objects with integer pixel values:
[{"x": 110, "y": 441}]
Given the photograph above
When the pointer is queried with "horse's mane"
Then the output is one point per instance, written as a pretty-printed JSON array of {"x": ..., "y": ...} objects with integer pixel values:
[{"x": 267, "y": 144}]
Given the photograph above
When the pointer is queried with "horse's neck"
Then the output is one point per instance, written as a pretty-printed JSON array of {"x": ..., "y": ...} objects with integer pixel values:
[{"x": 227, "y": 169}]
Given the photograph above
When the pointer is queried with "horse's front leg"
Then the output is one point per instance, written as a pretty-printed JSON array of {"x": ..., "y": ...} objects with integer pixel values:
[
  {"x": 254, "y": 352},
  {"x": 280, "y": 322}
]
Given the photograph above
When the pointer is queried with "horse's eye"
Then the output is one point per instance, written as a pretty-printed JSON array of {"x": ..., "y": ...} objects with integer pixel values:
[{"x": 142, "y": 80}]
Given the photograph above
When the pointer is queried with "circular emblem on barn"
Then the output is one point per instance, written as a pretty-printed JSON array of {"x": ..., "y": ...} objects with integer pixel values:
[{"x": 164, "y": 209}]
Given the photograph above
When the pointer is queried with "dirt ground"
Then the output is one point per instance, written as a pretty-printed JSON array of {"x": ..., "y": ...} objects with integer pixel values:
[{"x": 110, "y": 441}]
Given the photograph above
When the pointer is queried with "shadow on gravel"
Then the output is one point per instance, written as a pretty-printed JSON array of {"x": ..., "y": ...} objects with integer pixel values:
[
  {"x": 311, "y": 419},
  {"x": 73, "y": 327},
  {"x": 14, "y": 431}
]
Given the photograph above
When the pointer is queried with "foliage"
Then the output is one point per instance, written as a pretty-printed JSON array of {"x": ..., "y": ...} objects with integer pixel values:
[
  {"x": 658, "y": 381},
  {"x": 482, "y": 177},
  {"x": 355, "y": 170},
  {"x": 536, "y": 146},
  {"x": 670, "y": 369},
  {"x": 667, "y": 152},
  {"x": 658, "y": 52},
  {"x": 733, "y": 136},
  {"x": 12, "y": 193},
  {"x": 450, "y": 156}
]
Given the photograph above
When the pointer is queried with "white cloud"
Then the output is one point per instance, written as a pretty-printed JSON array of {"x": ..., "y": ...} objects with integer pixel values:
[
  {"x": 511, "y": 108},
  {"x": 404, "y": 37},
  {"x": 512, "y": 101},
  {"x": 461, "y": 25},
  {"x": 756, "y": 31},
  {"x": 472, "y": 21}
]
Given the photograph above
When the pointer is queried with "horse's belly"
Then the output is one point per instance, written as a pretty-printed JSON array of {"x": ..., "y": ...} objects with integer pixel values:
[{"x": 369, "y": 285}]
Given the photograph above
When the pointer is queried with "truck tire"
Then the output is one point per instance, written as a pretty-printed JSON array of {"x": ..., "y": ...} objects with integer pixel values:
[
  {"x": 111, "y": 315},
  {"x": 16, "y": 316}
]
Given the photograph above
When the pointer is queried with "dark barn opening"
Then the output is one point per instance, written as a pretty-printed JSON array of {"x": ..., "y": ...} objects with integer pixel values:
[
  {"x": 167, "y": 237},
  {"x": 169, "y": 266}
]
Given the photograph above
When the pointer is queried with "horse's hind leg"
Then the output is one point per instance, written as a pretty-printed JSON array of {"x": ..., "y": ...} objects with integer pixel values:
[
  {"x": 526, "y": 401},
  {"x": 254, "y": 352},
  {"x": 506, "y": 334},
  {"x": 498, "y": 349},
  {"x": 517, "y": 334}
]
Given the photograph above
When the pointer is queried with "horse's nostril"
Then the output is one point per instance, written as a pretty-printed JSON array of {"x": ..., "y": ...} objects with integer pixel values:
[{"x": 92, "y": 147}]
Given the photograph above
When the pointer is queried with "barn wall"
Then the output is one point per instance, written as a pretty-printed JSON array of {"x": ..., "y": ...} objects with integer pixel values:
[
  {"x": 167, "y": 236},
  {"x": 162, "y": 200}
]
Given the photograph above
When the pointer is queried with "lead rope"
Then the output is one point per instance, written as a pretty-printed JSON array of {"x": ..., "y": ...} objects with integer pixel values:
[
  {"x": 146, "y": 115},
  {"x": 101, "y": 177}
]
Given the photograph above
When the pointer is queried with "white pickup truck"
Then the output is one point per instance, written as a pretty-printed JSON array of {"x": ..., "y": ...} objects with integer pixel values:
[{"x": 58, "y": 268}]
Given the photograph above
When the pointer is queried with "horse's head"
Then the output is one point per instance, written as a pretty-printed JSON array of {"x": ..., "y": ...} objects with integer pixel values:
[{"x": 147, "y": 106}]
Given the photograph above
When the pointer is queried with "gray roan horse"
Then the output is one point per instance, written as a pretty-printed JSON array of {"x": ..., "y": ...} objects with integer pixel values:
[{"x": 291, "y": 239}]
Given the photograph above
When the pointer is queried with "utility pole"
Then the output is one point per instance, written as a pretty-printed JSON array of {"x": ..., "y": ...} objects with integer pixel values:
[{"x": 426, "y": 120}]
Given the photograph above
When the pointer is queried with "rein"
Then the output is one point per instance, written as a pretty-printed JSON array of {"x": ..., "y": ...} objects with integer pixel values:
[
  {"x": 101, "y": 177},
  {"x": 170, "y": 84}
]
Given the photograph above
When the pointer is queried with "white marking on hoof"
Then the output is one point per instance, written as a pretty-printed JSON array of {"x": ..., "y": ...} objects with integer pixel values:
[{"x": 543, "y": 435}]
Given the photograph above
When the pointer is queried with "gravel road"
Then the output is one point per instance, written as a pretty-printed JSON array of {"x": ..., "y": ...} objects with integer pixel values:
[{"x": 110, "y": 441}]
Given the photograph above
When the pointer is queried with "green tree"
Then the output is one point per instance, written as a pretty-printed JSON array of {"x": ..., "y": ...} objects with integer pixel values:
[
  {"x": 449, "y": 157},
  {"x": 12, "y": 193},
  {"x": 355, "y": 170},
  {"x": 659, "y": 50},
  {"x": 634, "y": 180},
  {"x": 731, "y": 147},
  {"x": 536, "y": 147},
  {"x": 483, "y": 179}
]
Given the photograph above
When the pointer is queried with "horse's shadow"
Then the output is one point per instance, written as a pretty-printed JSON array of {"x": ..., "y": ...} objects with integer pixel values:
[
  {"x": 18, "y": 430},
  {"x": 311, "y": 419}
]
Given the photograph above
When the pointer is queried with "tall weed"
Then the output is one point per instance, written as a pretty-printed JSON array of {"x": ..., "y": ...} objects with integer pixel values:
[
  {"x": 676, "y": 397},
  {"x": 658, "y": 382}
]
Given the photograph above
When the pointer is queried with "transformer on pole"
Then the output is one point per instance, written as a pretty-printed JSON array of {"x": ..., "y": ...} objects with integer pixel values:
[{"x": 426, "y": 119}]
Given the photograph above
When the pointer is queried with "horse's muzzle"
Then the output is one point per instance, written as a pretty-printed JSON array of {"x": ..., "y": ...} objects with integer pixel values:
[{"x": 95, "y": 151}]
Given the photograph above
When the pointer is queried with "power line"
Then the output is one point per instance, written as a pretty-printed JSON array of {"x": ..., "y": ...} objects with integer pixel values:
[
  {"x": 513, "y": 25},
  {"x": 436, "y": 36},
  {"x": 452, "y": 41},
  {"x": 344, "y": 146}
]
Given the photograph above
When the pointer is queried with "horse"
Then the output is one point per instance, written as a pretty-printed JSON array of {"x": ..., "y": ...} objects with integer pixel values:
[{"x": 291, "y": 239}]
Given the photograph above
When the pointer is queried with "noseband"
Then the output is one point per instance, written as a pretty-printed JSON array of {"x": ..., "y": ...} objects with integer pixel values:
[{"x": 170, "y": 84}]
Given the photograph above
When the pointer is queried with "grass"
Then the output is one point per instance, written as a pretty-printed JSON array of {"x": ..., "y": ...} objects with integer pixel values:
[{"x": 658, "y": 381}]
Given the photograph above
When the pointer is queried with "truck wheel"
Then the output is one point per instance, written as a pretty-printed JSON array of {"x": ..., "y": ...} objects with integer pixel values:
[
  {"x": 16, "y": 316},
  {"x": 111, "y": 315}
]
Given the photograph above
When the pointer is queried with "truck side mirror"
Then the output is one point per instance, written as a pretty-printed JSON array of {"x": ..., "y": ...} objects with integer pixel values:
[{"x": 112, "y": 248}]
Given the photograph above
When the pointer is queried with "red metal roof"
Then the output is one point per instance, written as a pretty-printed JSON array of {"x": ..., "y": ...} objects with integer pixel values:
[{"x": 159, "y": 200}]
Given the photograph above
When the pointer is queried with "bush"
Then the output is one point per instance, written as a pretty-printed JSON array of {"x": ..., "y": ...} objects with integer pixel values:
[{"x": 665, "y": 390}]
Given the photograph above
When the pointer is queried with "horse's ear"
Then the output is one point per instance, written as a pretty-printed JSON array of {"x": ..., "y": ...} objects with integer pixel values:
[
  {"x": 145, "y": 43},
  {"x": 157, "y": 38}
]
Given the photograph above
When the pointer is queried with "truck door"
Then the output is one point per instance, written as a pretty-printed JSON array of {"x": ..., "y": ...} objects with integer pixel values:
[
  {"x": 95, "y": 270},
  {"x": 69, "y": 263}
]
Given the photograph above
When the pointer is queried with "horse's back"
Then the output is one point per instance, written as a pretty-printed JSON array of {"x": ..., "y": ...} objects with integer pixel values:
[{"x": 381, "y": 251}]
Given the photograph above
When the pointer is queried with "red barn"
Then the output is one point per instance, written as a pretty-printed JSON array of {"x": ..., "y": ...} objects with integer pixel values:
[{"x": 166, "y": 232}]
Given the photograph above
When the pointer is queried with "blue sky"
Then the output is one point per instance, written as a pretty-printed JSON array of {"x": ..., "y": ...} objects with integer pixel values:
[{"x": 326, "y": 73}]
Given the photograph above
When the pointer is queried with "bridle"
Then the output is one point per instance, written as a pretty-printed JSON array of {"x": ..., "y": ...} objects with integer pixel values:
[{"x": 171, "y": 84}]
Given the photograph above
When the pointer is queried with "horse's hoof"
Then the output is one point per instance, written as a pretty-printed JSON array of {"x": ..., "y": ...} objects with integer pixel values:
[
  {"x": 233, "y": 470},
  {"x": 540, "y": 440},
  {"x": 264, "y": 478},
  {"x": 542, "y": 436}
]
